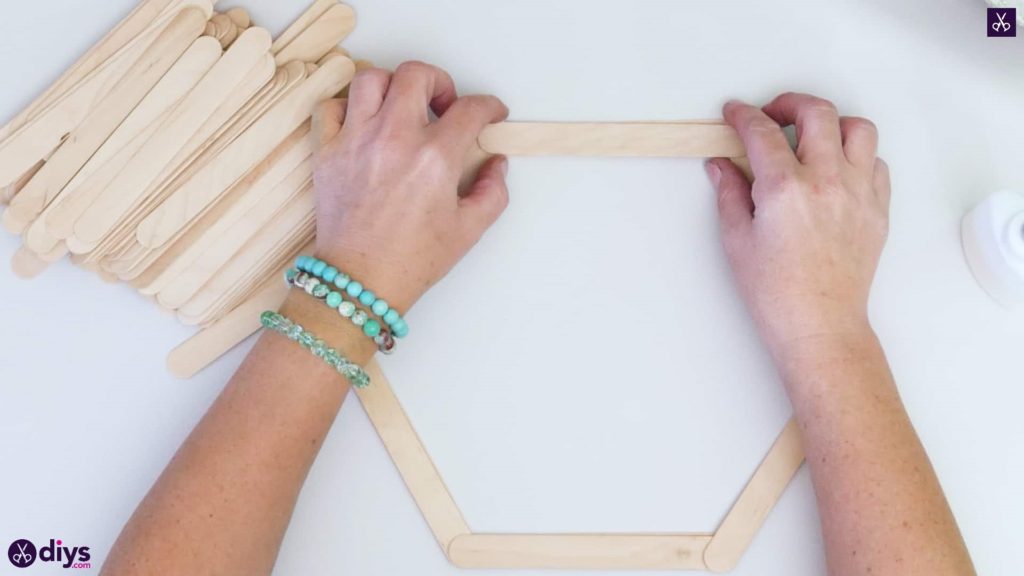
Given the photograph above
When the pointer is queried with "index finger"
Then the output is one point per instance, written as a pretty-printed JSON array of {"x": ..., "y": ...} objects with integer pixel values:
[
  {"x": 767, "y": 146},
  {"x": 415, "y": 86}
]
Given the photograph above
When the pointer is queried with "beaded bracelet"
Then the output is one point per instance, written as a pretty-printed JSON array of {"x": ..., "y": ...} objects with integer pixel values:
[
  {"x": 321, "y": 291},
  {"x": 278, "y": 323},
  {"x": 327, "y": 273}
]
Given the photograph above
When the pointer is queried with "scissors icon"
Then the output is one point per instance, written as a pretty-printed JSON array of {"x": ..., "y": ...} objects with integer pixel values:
[
  {"x": 22, "y": 558},
  {"x": 1002, "y": 25}
]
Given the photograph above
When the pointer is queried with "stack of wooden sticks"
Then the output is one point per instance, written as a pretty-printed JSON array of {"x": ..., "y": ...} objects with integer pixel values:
[{"x": 174, "y": 155}]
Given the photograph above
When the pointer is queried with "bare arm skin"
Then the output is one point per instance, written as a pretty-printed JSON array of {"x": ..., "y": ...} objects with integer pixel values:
[
  {"x": 804, "y": 242},
  {"x": 388, "y": 212}
]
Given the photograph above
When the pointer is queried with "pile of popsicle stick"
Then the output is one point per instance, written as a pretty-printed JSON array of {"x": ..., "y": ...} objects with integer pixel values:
[{"x": 174, "y": 155}]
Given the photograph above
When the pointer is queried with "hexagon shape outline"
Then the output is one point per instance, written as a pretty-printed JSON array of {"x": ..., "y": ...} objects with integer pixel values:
[{"x": 718, "y": 551}]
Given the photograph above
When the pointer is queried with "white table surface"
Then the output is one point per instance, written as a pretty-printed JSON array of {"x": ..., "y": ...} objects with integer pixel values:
[{"x": 589, "y": 367}]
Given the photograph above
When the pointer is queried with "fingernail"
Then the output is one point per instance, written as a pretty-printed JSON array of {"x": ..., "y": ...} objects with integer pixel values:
[{"x": 714, "y": 172}]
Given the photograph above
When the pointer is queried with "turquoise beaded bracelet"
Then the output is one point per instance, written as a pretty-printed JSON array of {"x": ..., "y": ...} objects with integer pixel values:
[
  {"x": 329, "y": 274},
  {"x": 321, "y": 291},
  {"x": 282, "y": 325}
]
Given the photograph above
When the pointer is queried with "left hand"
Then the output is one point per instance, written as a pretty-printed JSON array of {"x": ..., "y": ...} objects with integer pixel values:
[{"x": 388, "y": 208}]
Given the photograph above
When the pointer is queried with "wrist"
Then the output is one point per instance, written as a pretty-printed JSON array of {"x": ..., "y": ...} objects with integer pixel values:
[
  {"x": 801, "y": 359},
  {"x": 384, "y": 280}
]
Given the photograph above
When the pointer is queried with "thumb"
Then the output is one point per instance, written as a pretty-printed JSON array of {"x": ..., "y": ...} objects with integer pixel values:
[
  {"x": 327, "y": 119},
  {"x": 487, "y": 198},
  {"x": 735, "y": 205}
]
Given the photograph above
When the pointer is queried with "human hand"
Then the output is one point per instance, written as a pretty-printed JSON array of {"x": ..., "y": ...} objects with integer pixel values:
[
  {"x": 388, "y": 208},
  {"x": 805, "y": 239}
]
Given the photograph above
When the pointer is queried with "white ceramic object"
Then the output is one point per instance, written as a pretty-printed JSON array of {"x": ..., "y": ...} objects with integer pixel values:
[{"x": 993, "y": 238}]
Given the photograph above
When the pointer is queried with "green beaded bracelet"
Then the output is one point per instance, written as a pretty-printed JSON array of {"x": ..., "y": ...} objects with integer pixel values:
[
  {"x": 329, "y": 274},
  {"x": 282, "y": 325}
]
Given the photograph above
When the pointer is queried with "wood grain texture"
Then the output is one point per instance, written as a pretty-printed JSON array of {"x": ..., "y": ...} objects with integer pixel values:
[
  {"x": 41, "y": 136},
  {"x": 200, "y": 192},
  {"x": 182, "y": 254},
  {"x": 57, "y": 219},
  {"x": 651, "y": 139},
  {"x": 292, "y": 228},
  {"x": 147, "y": 16},
  {"x": 411, "y": 458},
  {"x": 320, "y": 37},
  {"x": 580, "y": 551},
  {"x": 747, "y": 515},
  {"x": 317, "y": 9},
  {"x": 140, "y": 175},
  {"x": 143, "y": 75},
  {"x": 217, "y": 248},
  {"x": 201, "y": 149}
]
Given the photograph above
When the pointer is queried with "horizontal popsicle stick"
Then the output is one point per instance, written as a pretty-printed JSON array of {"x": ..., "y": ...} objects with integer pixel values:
[
  {"x": 580, "y": 551},
  {"x": 653, "y": 139}
]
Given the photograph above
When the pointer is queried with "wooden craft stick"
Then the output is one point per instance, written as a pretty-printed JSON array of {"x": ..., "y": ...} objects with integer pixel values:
[
  {"x": 321, "y": 36},
  {"x": 144, "y": 17},
  {"x": 209, "y": 344},
  {"x": 150, "y": 269},
  {"x": 186, "y": 285},
  {"x": 175, "y": 133},
  {"x": 233, "y": 224},
  {"x": 658, "y": 139},
  {"x": 240, "y": 17},
  {"x": 26, "y": 265},
  {"x": 747, "y": 515},
  {"x": 65, "y": 104},
  {"x": 201, "y": 148},
  {"x": 44, "y": 134},
  {"x": 251, "y": 190},
  {"x": 172, "y": 42},
  {"x": 195, "y": 197},
  {"x": 295, "y": 222},
  {"x": 56, "y": 221},
  {"x": 411, "y": 458},
  {"x": 315, "y": 11},
  {"x": 229, "y": 124},
  {"x": 579, "y": 551}
]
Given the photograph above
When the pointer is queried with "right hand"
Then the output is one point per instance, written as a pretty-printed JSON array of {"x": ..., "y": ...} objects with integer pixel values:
[{"x": 805, "y": 238}]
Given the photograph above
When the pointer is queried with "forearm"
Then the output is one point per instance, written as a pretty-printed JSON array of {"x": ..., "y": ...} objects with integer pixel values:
[
  {"x": 225, "y": 500},
  {"x": 882, "y": 509}
]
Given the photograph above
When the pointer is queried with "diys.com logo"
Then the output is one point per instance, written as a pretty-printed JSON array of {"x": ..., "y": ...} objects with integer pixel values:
[{"x": 23, "y": 553}]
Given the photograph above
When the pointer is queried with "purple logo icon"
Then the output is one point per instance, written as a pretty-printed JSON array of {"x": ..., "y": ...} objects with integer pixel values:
[
  {"x": 21, "y": 553},
  {"x": 1002, "y": 22}
]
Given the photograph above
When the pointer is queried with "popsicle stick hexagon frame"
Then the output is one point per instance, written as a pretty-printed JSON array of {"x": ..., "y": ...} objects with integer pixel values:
[
  {"x": 230, "y": 109},
  {"x": 718, "y": 551}
]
